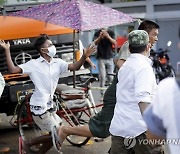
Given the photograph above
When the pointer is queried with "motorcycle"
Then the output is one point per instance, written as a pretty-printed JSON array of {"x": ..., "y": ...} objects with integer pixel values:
[{"x": 161, "y": 63}]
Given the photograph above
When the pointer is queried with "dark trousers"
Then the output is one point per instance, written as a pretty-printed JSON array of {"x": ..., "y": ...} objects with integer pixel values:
[{"x": 120, "y": 145}]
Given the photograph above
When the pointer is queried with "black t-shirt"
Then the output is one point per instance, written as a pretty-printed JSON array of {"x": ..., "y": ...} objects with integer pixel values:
[{"x": 104, "y": 47}]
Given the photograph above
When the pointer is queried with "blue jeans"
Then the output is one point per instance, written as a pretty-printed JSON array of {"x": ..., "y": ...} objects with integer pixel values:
[{"x": 106, "y": 66}]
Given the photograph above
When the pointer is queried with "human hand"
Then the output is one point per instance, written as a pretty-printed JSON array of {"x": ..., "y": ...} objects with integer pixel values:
[
  {"x": 101, "y": 35},
  {"x": 4, "y": 45},
  {"x": 105, "y": 34},
  {"x": 91, "y": 48}
]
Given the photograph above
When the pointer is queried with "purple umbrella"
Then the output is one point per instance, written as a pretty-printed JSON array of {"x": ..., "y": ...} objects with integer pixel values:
[{"x": 76, "y": 14}]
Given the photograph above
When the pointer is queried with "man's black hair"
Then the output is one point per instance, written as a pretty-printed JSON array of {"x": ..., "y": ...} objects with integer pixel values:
[
  {"x": 148, "y": 25},
  {"x": 40, "y": 40},
  {"x": 139, "y": 49}
]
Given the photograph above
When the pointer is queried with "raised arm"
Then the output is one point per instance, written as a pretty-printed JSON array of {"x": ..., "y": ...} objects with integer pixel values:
[
  {"x": 112, "y": 40},
  {"x": 98, "y": 37},
  {"x": 11, "y": 67}
]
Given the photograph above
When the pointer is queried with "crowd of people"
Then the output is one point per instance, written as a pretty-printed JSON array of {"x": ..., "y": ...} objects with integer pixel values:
[{"x": 134, "y": 104}]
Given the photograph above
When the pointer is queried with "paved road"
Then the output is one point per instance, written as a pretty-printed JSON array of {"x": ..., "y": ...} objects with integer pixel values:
[{"x": 9, "y": 137}]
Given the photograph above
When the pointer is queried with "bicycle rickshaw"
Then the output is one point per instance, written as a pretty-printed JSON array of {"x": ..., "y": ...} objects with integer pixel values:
[{"x": 75, "y": 106}]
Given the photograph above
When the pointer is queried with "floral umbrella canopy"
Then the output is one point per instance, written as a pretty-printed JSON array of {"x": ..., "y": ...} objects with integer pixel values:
[{"x": 76, "y": 14}]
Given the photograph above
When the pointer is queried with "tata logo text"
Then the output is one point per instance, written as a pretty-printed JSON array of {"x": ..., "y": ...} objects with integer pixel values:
[{"x": 22, "y": 41}]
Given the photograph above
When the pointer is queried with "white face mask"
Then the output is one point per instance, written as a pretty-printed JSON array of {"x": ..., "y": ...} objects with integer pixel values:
[{"x": 52, "y": 51}]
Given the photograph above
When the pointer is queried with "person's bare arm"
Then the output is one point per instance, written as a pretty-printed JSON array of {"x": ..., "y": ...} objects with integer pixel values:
[
  {"x": 86, "y": 54},
  {"x": 143, "y": 106},
  {"x": 150, "y": 135},
  {"x": 106, "y": 34},
  {"x": 98, "y": 39},
  {"x": 90, "y": 63},
  {"x": 11, "y": 67},
  {"x": 119, "y": 62}
]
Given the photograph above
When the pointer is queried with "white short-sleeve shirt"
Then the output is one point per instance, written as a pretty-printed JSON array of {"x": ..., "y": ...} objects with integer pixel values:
[
  {"x": 162, "y": 117},
  {"x": 45, "y": 77},
  {"x": 136, "y": 83}
]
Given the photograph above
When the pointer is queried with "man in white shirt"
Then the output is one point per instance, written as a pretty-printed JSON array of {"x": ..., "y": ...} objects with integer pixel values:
[
  {"x": 44, "y": 72},
  {"x": 162, "y": 117},
  {"x": 135, "y": 89},
  {"x": 151, "y": 28}
]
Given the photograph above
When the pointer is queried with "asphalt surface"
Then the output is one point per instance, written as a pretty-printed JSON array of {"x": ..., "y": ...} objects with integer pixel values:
[{"x": 9, "y": 138}]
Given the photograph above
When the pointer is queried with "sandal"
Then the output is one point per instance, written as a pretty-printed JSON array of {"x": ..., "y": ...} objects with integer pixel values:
[{"x": 56, "y": 139}]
